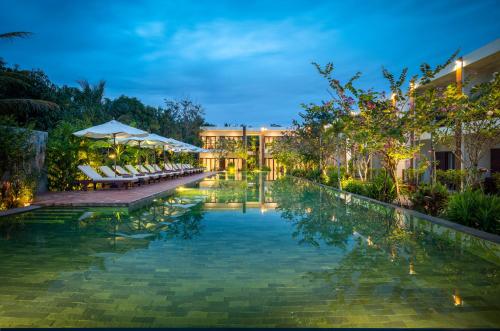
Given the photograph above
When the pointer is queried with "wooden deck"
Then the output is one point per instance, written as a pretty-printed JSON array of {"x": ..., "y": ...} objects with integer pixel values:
[{"x": 115, "y": 197}]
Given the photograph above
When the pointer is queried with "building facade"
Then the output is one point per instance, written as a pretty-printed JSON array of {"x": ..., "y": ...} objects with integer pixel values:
[
  {"x": 476, "y": 67},
  {"x": 254, "y": 142}
]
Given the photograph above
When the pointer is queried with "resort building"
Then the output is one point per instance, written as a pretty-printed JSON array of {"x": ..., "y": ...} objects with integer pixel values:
[
  {"x": 255, "y": 143},
  {"x": 476, "y": 67}
]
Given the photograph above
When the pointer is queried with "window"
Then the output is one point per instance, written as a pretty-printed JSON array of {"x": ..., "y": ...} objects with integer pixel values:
[
  {"x": 446, "y": 160},
  {"x": 495, "y": 160}
]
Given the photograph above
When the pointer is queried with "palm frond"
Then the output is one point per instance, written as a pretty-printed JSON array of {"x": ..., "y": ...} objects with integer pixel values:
[
  {"x": 27, "y": 104},
  {"x": 17, "y": 34}
]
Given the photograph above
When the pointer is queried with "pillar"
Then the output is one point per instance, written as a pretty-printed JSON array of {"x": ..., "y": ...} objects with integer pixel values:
[{"x": 458, "y": 127}]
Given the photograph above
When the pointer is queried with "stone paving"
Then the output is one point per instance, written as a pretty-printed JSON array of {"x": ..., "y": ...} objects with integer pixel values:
[{"x": 114, "y": 197}]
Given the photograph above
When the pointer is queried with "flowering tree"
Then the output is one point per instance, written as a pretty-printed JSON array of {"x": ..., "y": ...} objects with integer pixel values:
[{"x": 479, "y": 116}]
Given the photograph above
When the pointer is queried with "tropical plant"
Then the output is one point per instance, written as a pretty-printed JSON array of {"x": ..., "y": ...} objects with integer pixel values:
[
  {"x": 382, "y": 188},
  {"x": 475, "y": 209},
  {"x": 430, "y": 199},
  {"x": 63, "y": 157},
  {"x": 18, "y": 176}
]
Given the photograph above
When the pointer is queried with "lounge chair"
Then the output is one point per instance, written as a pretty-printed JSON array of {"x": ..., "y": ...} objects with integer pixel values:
[
  {"x": 144, "y": 170},
  {"x": 168, "y": 168},
  {"x": 136, "y": 173},
  {"x": 96, "y": 178},
  {"x": 125, "y": 174},
  {"x": 175, "y": 167},
  {"x": 165, "y": 171},
  {"x": 152, "y": 170}
]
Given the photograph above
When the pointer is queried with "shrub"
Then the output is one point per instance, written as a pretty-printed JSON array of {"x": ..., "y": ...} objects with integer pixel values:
[
  {"x": 475, "y": 209},
  {"x": 332, "y": 176},
  {"x": 451, "y": 178},
  {"x": 382, "y": 188},
  {"x": 355, "y": 186},
  {"x": 62, "y": 157},
  {"x": 18, "y": 177},
  {"x": 430, "y": 199}
]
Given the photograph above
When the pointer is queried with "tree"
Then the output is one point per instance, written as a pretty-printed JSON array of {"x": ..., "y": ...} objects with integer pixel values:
[
  {"x": 479, "y": 117},
  {"x": 21, "y": 97}
]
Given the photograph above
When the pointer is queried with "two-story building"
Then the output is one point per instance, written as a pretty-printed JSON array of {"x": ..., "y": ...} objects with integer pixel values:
[{"x": 254, "y": 141}]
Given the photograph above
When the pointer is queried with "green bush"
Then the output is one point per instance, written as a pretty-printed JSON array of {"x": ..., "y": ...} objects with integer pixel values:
[
  {"x": 62, "y": 157},
  {"x": 451, "y": 178},
  {"x": 382, "y": 188},
  {"x": 355, "y": 186},
  {"x": 430, "y": 199},
  {"x": 18, "y": 177},
  {"x": 332, "y": 176},
  {"x": 311, "y": 174},
  {"x": 475, "y": 209}
]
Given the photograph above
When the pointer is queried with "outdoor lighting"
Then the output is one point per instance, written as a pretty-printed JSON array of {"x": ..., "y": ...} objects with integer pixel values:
[
  {"x": 412, "y": 269},
  {"x": 263, "y": 129},
  {"x": 112, "y": 156},
  {"x": 459, "y": 63},
  {"x": 457, "y": 299}
]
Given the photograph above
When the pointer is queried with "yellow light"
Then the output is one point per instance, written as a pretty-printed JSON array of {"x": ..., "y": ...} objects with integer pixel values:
[
  {"x": 459, "y": 63},
  {"x": 412, "y": 269},
  {"x": 263, "y": 210},
  {"x": 27, "y": 204},
  {"x": 112, "y": 156},
  {"x": 457, "y": 299},
  {"x": 263, "y": 129}
]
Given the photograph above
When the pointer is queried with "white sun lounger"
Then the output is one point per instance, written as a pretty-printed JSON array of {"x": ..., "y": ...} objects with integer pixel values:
[{"x": 96, "y": 178}]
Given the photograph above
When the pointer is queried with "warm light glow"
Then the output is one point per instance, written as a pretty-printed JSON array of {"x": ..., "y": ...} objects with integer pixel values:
[
  {"x": 369, "y": 241},
  {"x": 263, "y": 129},
  {"x": 412, "y": 269},
  {"x": 457, "y": 299},
  {"x": 459, "y": 63},
  {"x": 263, "y": 209},
  {"x": 27, "y": 204},
  {"x": 112, "y": 156},
  {"x": 308, "y": 210}
]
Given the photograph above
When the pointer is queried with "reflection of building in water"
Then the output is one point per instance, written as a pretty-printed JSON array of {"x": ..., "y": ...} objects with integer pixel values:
[{"x": 239, "y": 191}]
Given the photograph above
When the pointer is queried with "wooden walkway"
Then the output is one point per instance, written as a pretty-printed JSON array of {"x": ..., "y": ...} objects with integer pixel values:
[{"x": 115, "y": 197}]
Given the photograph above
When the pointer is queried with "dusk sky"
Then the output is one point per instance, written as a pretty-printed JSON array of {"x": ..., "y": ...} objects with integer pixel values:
[{"x": 244, "y": 61}]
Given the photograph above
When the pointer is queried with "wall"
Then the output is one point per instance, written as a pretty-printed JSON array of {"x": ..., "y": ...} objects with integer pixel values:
[{"x": 39, "y": 140}]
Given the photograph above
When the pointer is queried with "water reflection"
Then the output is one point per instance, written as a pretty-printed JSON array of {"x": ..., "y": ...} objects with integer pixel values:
[{"x": 246, "y": 248}]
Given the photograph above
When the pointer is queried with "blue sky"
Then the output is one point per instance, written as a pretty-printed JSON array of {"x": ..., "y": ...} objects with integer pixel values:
[{"x": 245, "y": 61}]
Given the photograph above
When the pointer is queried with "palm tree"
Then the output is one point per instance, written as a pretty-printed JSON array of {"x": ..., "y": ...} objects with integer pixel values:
[{"x": 19, "y": 79}]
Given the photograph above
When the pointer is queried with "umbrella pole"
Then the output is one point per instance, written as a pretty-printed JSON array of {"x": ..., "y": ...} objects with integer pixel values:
[
  {"x": 164, "y": 158},
  {"x": 114, "y": 143},
  {"x": 140, "y": 161}
]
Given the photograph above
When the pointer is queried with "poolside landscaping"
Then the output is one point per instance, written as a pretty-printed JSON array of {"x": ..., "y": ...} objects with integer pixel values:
[{"x": 377, "y": 204}]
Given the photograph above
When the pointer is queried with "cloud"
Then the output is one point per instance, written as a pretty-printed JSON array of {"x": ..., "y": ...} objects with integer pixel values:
[
  {"x": 226, "y": 40},
  {"x": 150, "y": 30}
]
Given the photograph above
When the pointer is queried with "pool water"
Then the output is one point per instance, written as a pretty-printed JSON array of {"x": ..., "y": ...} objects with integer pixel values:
[{"x": 244, "y": 250}]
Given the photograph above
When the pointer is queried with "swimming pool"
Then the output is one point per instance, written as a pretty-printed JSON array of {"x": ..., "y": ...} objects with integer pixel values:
[{"x": 244, "y": 250}]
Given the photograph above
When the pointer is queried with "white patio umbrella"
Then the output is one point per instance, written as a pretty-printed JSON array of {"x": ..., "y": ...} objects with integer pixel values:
[
  {"x": 152, "y": 140},
  {"x": 112, "y": 129}
]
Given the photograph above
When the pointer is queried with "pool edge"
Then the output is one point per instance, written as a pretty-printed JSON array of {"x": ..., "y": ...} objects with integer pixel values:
[{"x": 441, "y": 221}]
